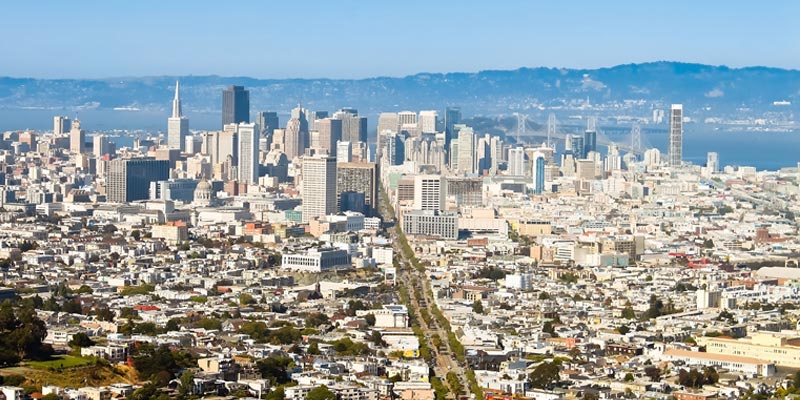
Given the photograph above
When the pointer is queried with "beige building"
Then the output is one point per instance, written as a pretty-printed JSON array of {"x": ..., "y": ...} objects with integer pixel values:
[{"x": 780, "y": 349}]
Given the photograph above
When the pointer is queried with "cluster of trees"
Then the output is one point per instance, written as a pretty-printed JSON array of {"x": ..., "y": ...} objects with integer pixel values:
[
  {"x": 492, "y": 273},
  {"x": 696, "y": 379},
  {"x": 345, "y": 346},
  {"x": 160, "y": 364},
  {"x": 21, "y": 335},
  {"x": 258, "y": 330}
]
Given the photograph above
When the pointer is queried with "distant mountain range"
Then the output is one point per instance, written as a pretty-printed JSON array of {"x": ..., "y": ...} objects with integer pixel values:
[{"x": 697, "y": 86}]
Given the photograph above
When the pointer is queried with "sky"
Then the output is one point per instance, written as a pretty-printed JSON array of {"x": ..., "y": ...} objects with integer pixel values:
[{"x": 359, "y": 39}]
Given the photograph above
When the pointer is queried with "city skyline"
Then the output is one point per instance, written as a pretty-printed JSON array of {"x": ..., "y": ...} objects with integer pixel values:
[{"x": 574, "y": 34}]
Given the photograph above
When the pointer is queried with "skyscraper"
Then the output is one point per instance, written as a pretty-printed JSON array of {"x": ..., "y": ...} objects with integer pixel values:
[
  {"x": 248, "y": 167},
  {"x": 177, "y": 124},
  {"x": 516, "y": 161},
  {"x": 676, "y": 135},
  {"x": 61, "y": 125},
  {"x": 429, "y": 192},
  {"x": 589, "y": 140},
  {"x": 129, "y": 178},
  {"x": 712, "y": 163},
  {"x": 77, "y": 137},
  {"x": 359, "y": 178},
  {"x": 293, "y": 139},
  {"x": 452, "y": 116},
  {"x": 102, "y": 146},
  {"x": 407, "y": 121},
  {"x": 235, "y": 105},
  {"x": 466, "y": 150},
  {"x": 267, "y": 121},
  {"x": 330, "y": 132},
  {"x": 538, "y": 173},
  {"x": 427, "y": 121},
  {"x": 319, "y": 187}
]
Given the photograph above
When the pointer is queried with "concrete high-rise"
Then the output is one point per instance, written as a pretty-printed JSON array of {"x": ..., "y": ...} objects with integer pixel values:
[
  {"x": 427, "y": 121},
  {"x": 319, "y": 187},
  {"x": 358, "y": 178},
  {"x": 235, "y": 105},
  {"x": 712, "y": 163},
  {"x": 77, "y": 137},
  {"x": 676, "y": 135},
  {"x": 407, "y": 122},
  {"x": 177, "y": 124},
  {"x": 248, "y": 166},
  {"x": 129, "y": 178},
  {"x": 293, "y": 139},
  {"x": 102, "y": 146},
  {"x": 516, "y": 161},
  {"x": 61, "y": 125},
  {"x": 466, "y": 151},
  {"x": 330, "y": 132},
  {"x": 429, "y": 192}
]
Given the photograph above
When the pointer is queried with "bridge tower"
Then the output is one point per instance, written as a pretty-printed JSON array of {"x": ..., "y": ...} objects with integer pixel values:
[
  {"x": 522, "y": 123},
  {"x": 636, "y": 138},
  {"x": 551, "y": 128}
]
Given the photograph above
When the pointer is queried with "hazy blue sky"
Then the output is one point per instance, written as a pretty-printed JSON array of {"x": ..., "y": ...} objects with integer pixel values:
[{"x": 352, "y": 39}]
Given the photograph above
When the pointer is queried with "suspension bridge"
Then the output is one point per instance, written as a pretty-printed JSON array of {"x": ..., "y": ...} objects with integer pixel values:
[{"x": 630, "y": 139}]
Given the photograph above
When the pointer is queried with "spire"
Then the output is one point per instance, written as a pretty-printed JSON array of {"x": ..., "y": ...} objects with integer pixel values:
[{"x": 176, "y": 102}]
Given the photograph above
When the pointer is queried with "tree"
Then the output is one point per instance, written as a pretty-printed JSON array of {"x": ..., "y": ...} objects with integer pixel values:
[
  {"x": 477, "y": 307},
  {"x": 275, "y": 369},
  {"x": 321, "y": 393},
  {"x": 654, "y": 373},
  {"x": 136, "y": 235},
  {"x": 187, "y": 383},
  {"x": 104, "y": 314},
  {"x": 246, "y": 299},
  {"x": 548, "y": 327},
  {"x": 545, "y": 375},
  {"x": 174, "y": 324},
  {"x": 370, "y": 319},
  {"x": 628, "y": 377},
  {"x": 316, "y": 319},
  {"x": 81, "y": 340},
  {"x": 277, "y": 394},
  {"x": 628, "y": 312}
]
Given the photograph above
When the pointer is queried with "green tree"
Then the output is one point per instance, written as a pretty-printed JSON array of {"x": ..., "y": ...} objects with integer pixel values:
[
  {"x": 321, "y": 393},
  {"x": 477, "y": 307},
  {"x": 628, "y": 377},
  {"x": 316, "y": 319},
  {"x": 246, "y": 299},
  {"x": 370, "y": 319},
  {"x": 277, "y": 394},
  {"x": 275, "y": 369},
  {"x": 81, "y": 340},
  {"x": 545, "y": 375}
]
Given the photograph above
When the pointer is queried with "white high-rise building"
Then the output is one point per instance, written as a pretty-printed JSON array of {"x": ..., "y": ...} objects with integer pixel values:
[
  {"x": 676, "y": 135},
  {"x": 516, "y": 161},
  {"x": 652, "y": 158},
  {"x": 344, "y": 152},
  {"x": 466, "y": 150},
  {"x": 712, "y": 163},
  {"x": 429, "y": 192},
  {"x": 427, "y": 121},
  {"x": 177, "y": 124},
  {"x": 319, "y": 187},
  {"x": 248, "y": 153}
]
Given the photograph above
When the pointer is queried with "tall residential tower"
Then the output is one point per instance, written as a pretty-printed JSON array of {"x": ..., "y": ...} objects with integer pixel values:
[{"x": 676, "y": 135}]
